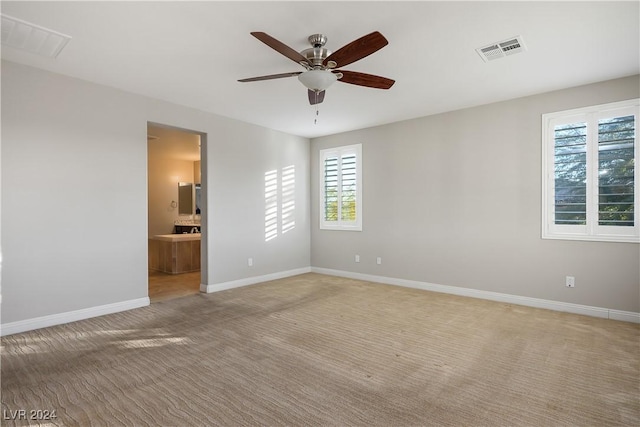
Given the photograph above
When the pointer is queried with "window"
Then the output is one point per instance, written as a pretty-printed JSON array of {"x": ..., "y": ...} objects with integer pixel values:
[
  {"x": 589, "y": 174},
  {"x": 341, "y": 188}
]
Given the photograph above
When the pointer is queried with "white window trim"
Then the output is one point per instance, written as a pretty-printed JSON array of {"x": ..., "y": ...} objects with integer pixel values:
[
  {"x": 591, "y": 231},
  {"x": 340, "y": 224}
]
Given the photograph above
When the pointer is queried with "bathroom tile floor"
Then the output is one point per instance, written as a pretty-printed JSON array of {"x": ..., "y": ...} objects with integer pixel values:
[{"x": 163, "y": 286}]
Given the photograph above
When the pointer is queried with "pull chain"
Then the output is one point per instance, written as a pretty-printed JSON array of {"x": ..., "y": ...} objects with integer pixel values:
[{"x": 315, "y": 121}]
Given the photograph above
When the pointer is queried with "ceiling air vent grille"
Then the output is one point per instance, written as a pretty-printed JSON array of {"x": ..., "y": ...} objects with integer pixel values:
[
  {"x": 511, "y": 46},
  {"x": 32, "y": 38}
]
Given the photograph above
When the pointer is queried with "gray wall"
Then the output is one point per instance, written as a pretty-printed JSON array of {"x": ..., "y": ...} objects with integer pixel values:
[
  {"x": 455, "y": 199},
  {"x": 451, "y": 199},
  {"x": 74, "y": 194}
]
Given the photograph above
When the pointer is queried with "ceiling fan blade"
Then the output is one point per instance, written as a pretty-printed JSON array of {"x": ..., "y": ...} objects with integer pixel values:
[
  {"x": 280, "y": 47},
  {"x": 315, "y": 97},
  {"x": 270, "y": 77},
  {"x": 357, "y": 49},
  {"x": 368, "y": 80}
]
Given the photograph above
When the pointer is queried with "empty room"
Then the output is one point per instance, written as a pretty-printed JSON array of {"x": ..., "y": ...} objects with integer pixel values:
[{"x": 328, "y": 213}]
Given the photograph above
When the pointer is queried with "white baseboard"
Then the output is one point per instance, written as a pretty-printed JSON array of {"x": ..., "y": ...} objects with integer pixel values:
[
  {"x": 625, "y": 316},
  {"x": 86, "y": 313},
  {"x": 70, "y": 316},
  {"x": 217, "y": 287}
]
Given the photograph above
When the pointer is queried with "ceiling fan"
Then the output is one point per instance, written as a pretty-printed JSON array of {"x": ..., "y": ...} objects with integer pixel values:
[{"x": 320, "y": 63}]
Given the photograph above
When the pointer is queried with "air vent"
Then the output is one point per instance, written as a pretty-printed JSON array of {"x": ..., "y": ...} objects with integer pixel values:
[
  {"x": 501, "y": 49},
  {"x": 32, "y": 38}
]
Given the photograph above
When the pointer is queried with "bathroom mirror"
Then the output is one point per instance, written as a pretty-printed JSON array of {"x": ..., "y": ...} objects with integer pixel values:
[{"x": 185, "y": 198}]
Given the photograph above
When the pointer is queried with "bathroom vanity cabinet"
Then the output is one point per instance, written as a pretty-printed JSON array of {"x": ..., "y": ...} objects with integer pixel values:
[{"x": 175, "y": 253}]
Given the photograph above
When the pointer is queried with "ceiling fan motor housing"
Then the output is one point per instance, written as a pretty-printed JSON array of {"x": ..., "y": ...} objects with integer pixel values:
[{"x": 317, "y": 54}]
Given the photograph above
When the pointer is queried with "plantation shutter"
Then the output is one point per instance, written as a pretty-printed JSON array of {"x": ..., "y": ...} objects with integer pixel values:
[
  {"x": 616, "y": 140},
  {"x": 590, "y": 175},
  {"x": 340, "y": 188},
  {"x": 331, "y": 189},
  {"x": 570, "y": 173},
  {"x": 348, "y": 188}
]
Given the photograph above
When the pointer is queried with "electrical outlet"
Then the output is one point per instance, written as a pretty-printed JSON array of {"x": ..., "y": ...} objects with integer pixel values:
[
  {"x": 250, "y": 262},
  {"x": 570, "y": 282},
  {"x": 357, "y": 258},
  {"x": 379, "y": 260}
]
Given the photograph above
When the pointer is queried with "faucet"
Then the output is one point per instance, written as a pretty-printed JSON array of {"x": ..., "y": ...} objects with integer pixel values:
[{"x": 194, "y": 230}]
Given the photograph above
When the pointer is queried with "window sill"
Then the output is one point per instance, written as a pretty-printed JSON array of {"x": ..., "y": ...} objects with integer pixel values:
[
  {"x": 340, "y": 228},
  {"x": 602, "y": 238}
]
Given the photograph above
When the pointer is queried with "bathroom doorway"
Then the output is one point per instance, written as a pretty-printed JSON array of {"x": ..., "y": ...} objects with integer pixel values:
[{"x": 176, "y": 207}]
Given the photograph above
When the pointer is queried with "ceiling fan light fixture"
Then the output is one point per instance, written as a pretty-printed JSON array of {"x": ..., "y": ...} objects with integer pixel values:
[{"x": 317, "y": 80}]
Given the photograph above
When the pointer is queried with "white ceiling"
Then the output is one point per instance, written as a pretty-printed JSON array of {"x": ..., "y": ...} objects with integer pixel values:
[{"x": 192, "y": 53}]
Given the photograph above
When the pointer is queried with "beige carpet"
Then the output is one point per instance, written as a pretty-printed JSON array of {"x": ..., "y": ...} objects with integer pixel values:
[{"x": 318, "y": 350}]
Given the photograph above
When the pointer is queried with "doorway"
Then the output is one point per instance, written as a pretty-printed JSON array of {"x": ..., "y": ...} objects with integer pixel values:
[{"x": 176, "y": 209}]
